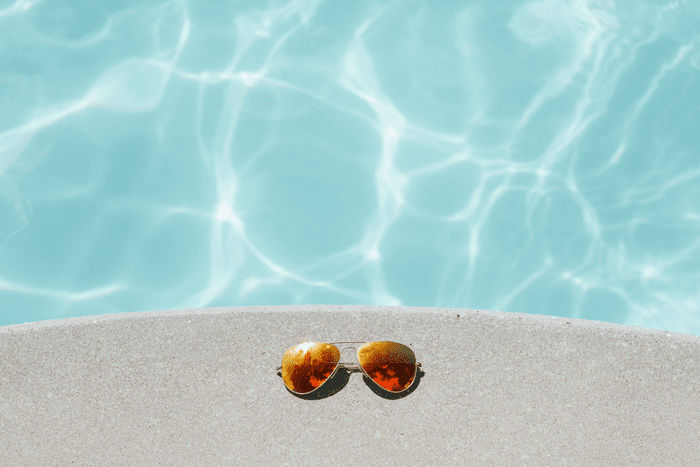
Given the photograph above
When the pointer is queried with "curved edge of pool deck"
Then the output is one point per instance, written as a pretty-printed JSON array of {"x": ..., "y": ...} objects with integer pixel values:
[{"x": 200, "y": 387}]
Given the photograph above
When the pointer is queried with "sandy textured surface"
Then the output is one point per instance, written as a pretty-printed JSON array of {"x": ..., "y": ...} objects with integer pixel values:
[{"x": 199, "y": 387}]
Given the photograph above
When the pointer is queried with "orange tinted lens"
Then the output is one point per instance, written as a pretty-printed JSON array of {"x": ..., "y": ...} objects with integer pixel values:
[
  {"x": 390, "y": 365},
  {"x": 307, "y": 366}
]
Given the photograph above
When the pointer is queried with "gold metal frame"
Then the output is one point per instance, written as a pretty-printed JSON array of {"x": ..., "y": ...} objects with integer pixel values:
[{"x": 353, "y": 367}]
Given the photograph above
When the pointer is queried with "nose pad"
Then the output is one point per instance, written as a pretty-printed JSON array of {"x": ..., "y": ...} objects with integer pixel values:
[{"x": 348, "y": 356}]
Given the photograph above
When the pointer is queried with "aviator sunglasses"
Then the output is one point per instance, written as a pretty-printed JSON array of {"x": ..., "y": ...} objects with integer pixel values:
[{"x": 305, "y": 367}]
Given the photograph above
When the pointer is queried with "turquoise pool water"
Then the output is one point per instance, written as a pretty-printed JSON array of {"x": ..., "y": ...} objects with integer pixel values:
[{"x": 536, "y": 157}]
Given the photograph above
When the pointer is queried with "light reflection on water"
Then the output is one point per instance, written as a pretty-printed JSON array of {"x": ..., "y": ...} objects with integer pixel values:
[{"x": 536, "y": 157}]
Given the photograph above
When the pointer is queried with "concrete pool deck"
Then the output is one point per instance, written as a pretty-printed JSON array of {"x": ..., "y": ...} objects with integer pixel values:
[{"x": 199, "y": 387}]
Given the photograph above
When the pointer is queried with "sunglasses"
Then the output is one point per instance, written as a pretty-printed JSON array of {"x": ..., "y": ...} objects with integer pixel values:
[{"x": 305, "y": 367}]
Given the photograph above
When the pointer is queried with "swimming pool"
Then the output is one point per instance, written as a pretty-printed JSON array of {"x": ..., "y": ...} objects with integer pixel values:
[{"x": 536, "y": 157}]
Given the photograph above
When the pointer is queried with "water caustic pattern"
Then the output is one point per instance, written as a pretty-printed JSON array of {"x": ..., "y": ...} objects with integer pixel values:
[{"x": 527, "y": 156}]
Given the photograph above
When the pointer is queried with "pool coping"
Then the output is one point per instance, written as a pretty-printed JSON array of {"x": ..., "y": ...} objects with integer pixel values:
[{"x": 198, "y": 387}]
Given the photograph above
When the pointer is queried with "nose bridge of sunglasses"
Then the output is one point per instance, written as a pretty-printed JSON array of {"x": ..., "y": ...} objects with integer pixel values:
[{"x": 348, "y": 355}]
